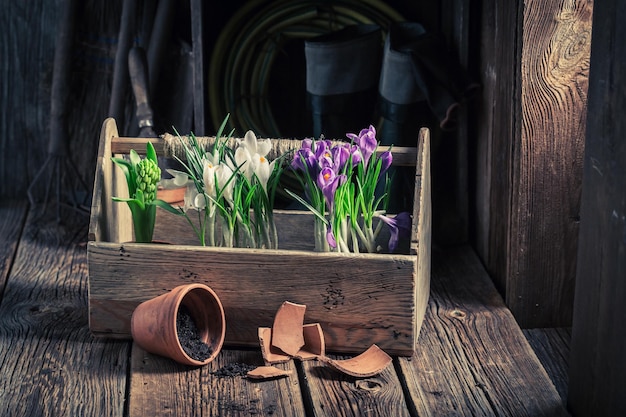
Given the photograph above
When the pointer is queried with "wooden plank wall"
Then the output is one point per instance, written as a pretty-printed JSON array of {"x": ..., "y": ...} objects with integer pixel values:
[
  {"x": 529, "y": 153},
  {"x": 26, "y": 77},
  {"x": 597, "y": 366}
]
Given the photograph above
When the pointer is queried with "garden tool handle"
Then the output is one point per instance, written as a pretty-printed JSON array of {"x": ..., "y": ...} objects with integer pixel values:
[{"x": 138, "y": 70}]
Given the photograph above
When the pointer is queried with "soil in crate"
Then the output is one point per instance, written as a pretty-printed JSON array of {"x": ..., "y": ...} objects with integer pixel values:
[{"x": 189, "y": 336}]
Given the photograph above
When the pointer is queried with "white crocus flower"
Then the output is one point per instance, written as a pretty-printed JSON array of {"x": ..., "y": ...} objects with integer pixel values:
[
  {"x": 208, "y": 176},
  {"x": 251, "y": 156},
  {"x": 178, "y": 178},
  {"x": 192, "y": 200},
  {"x": 218, "y": 176},
  {"x": 225, "y": 181}
]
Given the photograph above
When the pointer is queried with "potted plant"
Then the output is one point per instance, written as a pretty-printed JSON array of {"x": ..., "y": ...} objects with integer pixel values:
[
  {"x": 345, "y": 291},
  {"x": 142, "y": 178}
]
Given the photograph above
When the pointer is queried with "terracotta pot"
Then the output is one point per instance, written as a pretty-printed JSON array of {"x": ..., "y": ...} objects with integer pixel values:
[
  {"x": 153, "y": 323},
  {"x": 172, "y": 195}
]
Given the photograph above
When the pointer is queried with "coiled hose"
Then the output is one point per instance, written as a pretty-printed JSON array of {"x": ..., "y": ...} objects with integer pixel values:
[{"x": 247, "y": 48}]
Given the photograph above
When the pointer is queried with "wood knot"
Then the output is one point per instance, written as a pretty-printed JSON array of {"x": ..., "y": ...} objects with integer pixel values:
[
  {"x": 368, "y": 384},
  {"x": 458, "y": 314}
]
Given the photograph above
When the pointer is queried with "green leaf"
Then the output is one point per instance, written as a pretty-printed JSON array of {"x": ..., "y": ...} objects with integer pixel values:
[
  {"x": 140, "y": 199},
  {"x": 127, "y": 169},
  {"x": 125, "y": 200},
  {"x": 308, "y": 206},
  {"x": 151, "y": 152},
  {"x": 169, "y": 208},
  {"x": 222, "y": 127},
  {"x": 134, "y": 158}
]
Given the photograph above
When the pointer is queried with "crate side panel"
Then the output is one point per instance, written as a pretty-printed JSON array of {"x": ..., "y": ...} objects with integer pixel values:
[
  {"x": 422, "y": 224},
  {"x": 358, "y": 300}
]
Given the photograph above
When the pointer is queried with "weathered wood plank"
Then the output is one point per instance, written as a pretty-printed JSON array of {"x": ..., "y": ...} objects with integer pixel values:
[
  {"x": 162, "y": 387},
  {"x": 472, "y": 358},
  {"x": 597, "y": 369},
  {"x": 496, "y": 125},
  {"x": 529, "y": 152},
  {"x": 12, "y": 216},
  {"x": 552, "y": 348},
  {"x": 331, "y": 393},
  {"x": 25, "y": 95},
  {"x": 51, "y": 365},
  {"x": 547, "y": 162},
  {"x": 253, "y": 283},
  {"x": 402, "y": 155}
]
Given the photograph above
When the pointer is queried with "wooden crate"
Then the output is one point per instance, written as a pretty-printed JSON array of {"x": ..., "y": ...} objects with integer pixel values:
[{"x": 358, "y": 299}]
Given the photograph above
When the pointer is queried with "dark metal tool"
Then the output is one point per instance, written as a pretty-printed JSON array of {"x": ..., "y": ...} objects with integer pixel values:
[{"x": 138, "y": 70}]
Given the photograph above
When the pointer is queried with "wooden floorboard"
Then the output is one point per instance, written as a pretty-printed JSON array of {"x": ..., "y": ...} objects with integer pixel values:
[
  {"x": 331, "y": 393},
  {"x": 51, "y": 365},
  {"x": 552, "y": 349},
  {"x": 161, "y": 387},
  {"x": 12, "y": 215},
  {"x": 472, "y": 358}
]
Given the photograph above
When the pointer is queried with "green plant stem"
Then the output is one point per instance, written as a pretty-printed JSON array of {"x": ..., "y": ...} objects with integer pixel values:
[{"x": 143, "y": 221}]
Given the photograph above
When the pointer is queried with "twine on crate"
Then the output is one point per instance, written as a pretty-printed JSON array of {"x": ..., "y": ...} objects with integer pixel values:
[{"x": 174, "y": 147}]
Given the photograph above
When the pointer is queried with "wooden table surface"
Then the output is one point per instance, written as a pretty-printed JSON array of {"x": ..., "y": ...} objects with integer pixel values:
[{"x": 472, "y": 358}]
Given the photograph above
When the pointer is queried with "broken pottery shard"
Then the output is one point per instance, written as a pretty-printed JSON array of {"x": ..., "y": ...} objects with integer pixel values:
[
  {"x": 314, "y": 345},
  {"x": 368, "y": 363},
  {"x": 287, "y": 332},
  {"x": 270, "y": 353},
  {"x": 264, "y": 372}
]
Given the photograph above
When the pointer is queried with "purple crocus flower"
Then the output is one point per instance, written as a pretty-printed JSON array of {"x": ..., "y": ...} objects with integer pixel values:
[
  {"x": 322, "y": 149},
  {"x": 356, "y": 155},
  {"x": 328, "y": 181},
  {"x": 400, "y": 226},
  {"x": 366, "y": 141},
  {"x": 341, "y": 154},
  {"x": 386, "y": 158},
  {"x": 304, "y": 159},
  {"x": 330, "y": 237}
]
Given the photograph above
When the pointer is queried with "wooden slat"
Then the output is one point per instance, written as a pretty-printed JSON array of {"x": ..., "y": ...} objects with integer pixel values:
[
  {"x": 402, "y": 156},
  {"x": 12, "y": 216},
  {"x": 162, "y": 387},
  {"x": 547, "y": 161},
  {"x": 472, "y": 358},
  {"x": 252, "y": 284},
  {"x": 331, "y": 393},
  {"x": 496, "y": 126},
  {"x": 552, "y": 349},
  {"x": 597, "y": 372},
  {"x": 529, "y": 151},
  {"x": 51, "y": 365}
]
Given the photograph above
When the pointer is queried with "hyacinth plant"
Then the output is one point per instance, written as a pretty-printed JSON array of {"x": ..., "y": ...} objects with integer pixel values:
[
  {"x": 340, "y": 183},
  {"x": 142, "y": 177},
  {"x": 230, "y": 191}
]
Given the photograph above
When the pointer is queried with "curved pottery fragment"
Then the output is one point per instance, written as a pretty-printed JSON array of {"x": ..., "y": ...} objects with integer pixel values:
[
  {"x": 314, "y": 345},
  {"x": 368, "y": 363},
  {"x": 287, "y": 332},
  {"x": 265, "y": 372},
  {"x": 306, "y": 341}
]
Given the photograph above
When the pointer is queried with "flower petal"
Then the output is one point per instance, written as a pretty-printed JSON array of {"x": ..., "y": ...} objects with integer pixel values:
[
  {"x": 263, "y": 146},
  {"x": 249, "y": 141}
]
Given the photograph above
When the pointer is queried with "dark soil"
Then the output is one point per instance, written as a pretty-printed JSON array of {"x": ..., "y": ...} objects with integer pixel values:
[
  {"x": 233, "y": 369},
  {"x": 189, "y": 336}
]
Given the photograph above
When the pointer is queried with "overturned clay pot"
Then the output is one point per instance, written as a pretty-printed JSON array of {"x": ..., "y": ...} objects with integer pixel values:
[{"x": 154, "y": 328}]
